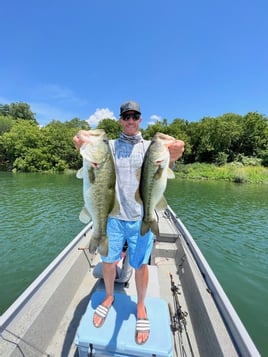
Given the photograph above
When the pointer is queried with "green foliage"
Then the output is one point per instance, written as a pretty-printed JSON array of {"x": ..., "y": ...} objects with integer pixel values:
[
  {"x": 16, "y": 142},
  {"x": 58, "y": 142},
  {"x": 233, "y": 172},
  {"x": 254, "y": 134},
  {"x": 221, "y": 158},
  {"x": 29, "y": 148},
  {"x": 33, "y": 160},
  {"x": 248, "y": 161},
  {"x": 18, "y": 111},
  {"x": 77, "y": 124},
  {"x": 264, "y": 157},
  {"x": 24, "y": 146},
  {"x": 111, "y": 127},
  {"x": 230, "y": 133},
  {"x": 6, "y": 123},
  {"x": 178, "y": 129},
  {"x": 152, "y": 129}
]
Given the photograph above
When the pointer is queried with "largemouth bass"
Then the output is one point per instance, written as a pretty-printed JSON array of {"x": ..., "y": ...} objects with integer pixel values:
[
  {"x": 153, "y": 181},
  {"x": 98, "y": 175}
]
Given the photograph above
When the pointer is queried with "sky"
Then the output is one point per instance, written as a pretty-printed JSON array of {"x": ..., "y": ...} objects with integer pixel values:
[{"x": 179, "y": 59}]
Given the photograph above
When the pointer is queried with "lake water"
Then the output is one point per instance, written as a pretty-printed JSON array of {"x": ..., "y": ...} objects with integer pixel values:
[{"x": 39, "y": 217}]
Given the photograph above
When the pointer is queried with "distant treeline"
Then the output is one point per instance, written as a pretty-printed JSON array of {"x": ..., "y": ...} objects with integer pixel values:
[{"x": 27, "y": 146}]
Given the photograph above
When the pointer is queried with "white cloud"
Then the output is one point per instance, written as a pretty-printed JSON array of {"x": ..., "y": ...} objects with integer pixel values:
[
  {"x": 153, "y": 119},
  {"x": 99, "y": 115}
]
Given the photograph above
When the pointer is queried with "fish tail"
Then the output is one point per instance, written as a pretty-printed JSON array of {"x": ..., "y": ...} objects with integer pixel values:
[
  {"x": 93, "y": 244},
  {"x": 147, "y": 225},
  {"x": 103, "y": 246}
]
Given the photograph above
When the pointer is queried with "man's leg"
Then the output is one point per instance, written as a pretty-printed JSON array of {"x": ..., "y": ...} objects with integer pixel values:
[
  {"x": 109, "y": 271},
  {"x": 141, "y": 279}
]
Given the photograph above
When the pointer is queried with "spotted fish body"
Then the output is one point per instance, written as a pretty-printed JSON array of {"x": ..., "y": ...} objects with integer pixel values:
[
  {"x": 98, "y": 175},
  {"x": 154, "y": 174}
]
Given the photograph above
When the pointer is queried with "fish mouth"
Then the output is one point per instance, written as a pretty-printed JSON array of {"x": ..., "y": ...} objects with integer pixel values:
[{"x": 94, "y": 164}]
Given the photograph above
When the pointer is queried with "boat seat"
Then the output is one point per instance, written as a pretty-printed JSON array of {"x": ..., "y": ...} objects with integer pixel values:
[{"x": 167, "y": 230}]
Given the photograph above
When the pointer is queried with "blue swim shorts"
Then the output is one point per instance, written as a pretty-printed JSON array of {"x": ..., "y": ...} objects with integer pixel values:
[{"x": 139, "y": 247}]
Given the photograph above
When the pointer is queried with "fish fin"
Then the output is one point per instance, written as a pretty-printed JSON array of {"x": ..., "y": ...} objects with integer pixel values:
[
  {"x": 138, "y": 196},
  {"x": 158, "y": 173},
  {"x": 84, "y": 216},
  {"x": 162, "y": 204},
  {"x": 138, "y": 174},
  {"x": 79, "y": 173},
  {"x": 146, "y": 226},
  {"x": 170, "y": 173}
]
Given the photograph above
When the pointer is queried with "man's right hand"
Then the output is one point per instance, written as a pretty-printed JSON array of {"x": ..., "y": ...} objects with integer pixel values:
[{"x": 81, "y": 138}]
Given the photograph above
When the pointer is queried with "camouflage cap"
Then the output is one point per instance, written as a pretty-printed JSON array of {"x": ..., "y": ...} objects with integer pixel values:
[{"x": 130, "y": 105}]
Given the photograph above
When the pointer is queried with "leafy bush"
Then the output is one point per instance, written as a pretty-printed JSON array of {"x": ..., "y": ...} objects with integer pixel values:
[
  {"x": 233, "y": 172},
  {"x": 264, "y": 158},
  {"x": 248, "y": 160},
  {"x": 221, "y": 158}
]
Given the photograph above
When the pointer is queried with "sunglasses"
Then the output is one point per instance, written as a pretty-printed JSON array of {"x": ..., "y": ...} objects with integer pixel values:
[{"x": 126, "y": 117}]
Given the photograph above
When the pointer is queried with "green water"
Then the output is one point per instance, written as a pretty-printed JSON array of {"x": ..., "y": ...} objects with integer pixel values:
[{"x": 39, "y": 217}]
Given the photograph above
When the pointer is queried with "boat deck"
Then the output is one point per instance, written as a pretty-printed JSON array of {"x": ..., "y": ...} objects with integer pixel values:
[
  {"x": 164, "y": 262},
  {"x": 45, "y": 319}
]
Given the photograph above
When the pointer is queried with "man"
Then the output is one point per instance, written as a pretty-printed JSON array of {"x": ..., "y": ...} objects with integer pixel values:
[{"x": 128, "y": 151}]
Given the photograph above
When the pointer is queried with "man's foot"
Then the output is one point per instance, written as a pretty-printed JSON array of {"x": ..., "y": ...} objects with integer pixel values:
[
  {"x": 101, "y": 312},
  {"x": 142, "y": 328}
]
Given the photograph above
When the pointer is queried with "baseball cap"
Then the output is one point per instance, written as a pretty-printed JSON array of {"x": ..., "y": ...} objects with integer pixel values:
[{"x": 130, "y": 105}]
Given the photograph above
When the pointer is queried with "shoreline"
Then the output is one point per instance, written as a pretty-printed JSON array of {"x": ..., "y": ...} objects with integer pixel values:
[{"x": 231, "y": 172}]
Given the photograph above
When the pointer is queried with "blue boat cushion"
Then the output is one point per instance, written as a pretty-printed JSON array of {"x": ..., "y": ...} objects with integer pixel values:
[{"x": 117, "y": 335}]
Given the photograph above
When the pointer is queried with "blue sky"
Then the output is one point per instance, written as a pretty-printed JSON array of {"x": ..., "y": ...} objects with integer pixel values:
[{"x": 178, "y": 59}]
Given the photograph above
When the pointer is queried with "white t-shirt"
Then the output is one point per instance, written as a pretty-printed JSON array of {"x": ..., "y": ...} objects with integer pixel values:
[{"x": 128, "y": 158}]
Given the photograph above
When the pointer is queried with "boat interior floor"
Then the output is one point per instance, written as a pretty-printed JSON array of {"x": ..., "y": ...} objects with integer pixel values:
[{"x": 47, "y": 318}]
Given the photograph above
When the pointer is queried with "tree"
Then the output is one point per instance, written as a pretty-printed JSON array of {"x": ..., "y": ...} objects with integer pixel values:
[
  {"x": 27, "y": 147},
  {"x": 254, "y": 138},
  {"x": 59, "y": 144},
  {"x": 212, "y": 137},
  {"x": 78, "y": 124},
  {"x": 158, "y": 127},
  {"x": 111, "y": 127},
  {"x": 18, "y": 111},
  {"x": 179, "y": 130},
  {"x": 16, "y": 143},
  {"x": 4, "y": 110},
  {"x": 6, "y": 123}
]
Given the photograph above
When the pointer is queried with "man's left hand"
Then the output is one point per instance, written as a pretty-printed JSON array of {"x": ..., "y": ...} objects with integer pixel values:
[{"x": 176, "y": 150}]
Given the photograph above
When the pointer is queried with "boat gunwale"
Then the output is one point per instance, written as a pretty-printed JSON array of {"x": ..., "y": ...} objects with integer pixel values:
[
  {"x": 240, "y": 336},
  {"x": 23, "y": 299}
]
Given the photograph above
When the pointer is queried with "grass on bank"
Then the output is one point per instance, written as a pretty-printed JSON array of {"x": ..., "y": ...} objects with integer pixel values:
[{"x": 233, "y": 172}]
